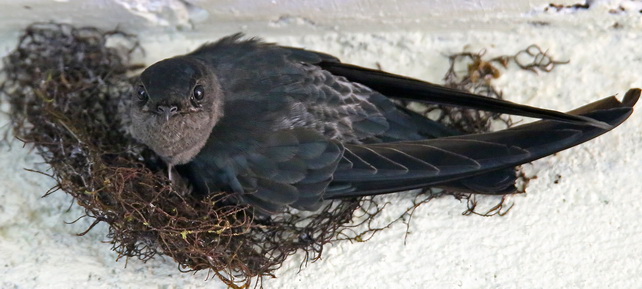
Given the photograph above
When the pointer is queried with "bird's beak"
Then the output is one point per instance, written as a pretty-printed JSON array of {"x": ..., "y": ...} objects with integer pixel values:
[
  {"x": 168, "y": 114},
  {"x": 167, "y": 111}
]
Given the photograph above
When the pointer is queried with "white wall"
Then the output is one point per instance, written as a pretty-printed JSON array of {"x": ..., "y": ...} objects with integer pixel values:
[{"x": 583, "y": 232}]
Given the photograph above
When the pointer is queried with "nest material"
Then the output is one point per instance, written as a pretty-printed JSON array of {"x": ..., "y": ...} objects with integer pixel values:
[{"x": 67, "y": 89}]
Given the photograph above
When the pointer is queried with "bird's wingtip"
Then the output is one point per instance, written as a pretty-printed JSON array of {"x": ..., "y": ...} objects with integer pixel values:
[{"x": 631, "y": 97}]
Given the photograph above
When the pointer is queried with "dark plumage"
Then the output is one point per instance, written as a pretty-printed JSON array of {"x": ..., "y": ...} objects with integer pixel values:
[{"x": 283, "y": 126}]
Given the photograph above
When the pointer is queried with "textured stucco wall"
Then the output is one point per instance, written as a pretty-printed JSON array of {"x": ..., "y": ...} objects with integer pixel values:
[{"x": 584, "y": 231}]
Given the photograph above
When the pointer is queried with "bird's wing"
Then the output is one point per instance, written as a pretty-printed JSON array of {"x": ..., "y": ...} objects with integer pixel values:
[
  {"x": 401, "y": 87},
  {"x": 406, "y": 88},
  {"x": 368, "y": 169},
  {"x": 273, "y": 170}
]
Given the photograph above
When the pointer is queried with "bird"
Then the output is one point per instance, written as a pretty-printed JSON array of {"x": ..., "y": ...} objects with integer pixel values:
[{"x": 282, "y": 127}]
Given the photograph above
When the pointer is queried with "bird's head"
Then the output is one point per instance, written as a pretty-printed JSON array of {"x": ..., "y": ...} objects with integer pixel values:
[{"x": 175, "y": 105}]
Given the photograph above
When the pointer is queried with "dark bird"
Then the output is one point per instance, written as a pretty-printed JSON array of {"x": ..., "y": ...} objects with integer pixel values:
[{"x": 282, "y": 126}]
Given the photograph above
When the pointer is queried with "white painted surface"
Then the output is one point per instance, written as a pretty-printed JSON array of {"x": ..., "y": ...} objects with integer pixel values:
[{"x": 584, "y": 232}]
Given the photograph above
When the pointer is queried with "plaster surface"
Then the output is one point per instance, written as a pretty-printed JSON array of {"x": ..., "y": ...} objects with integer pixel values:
[{"x": 579, "y": 225}]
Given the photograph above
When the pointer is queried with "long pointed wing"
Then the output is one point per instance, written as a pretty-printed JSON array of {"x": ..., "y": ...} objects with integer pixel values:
[
  {"x": 368, "y": 169},
  {"x": 401, "y": 87}
]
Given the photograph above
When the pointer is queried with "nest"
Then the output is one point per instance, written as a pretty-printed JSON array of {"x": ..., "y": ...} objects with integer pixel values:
[{"x": 67, "y": 89}]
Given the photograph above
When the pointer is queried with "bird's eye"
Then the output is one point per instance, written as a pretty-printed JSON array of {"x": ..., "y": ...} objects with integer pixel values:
[
  {"x": 141, "y": 93},
  {"x": 199, "y": 92}
]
